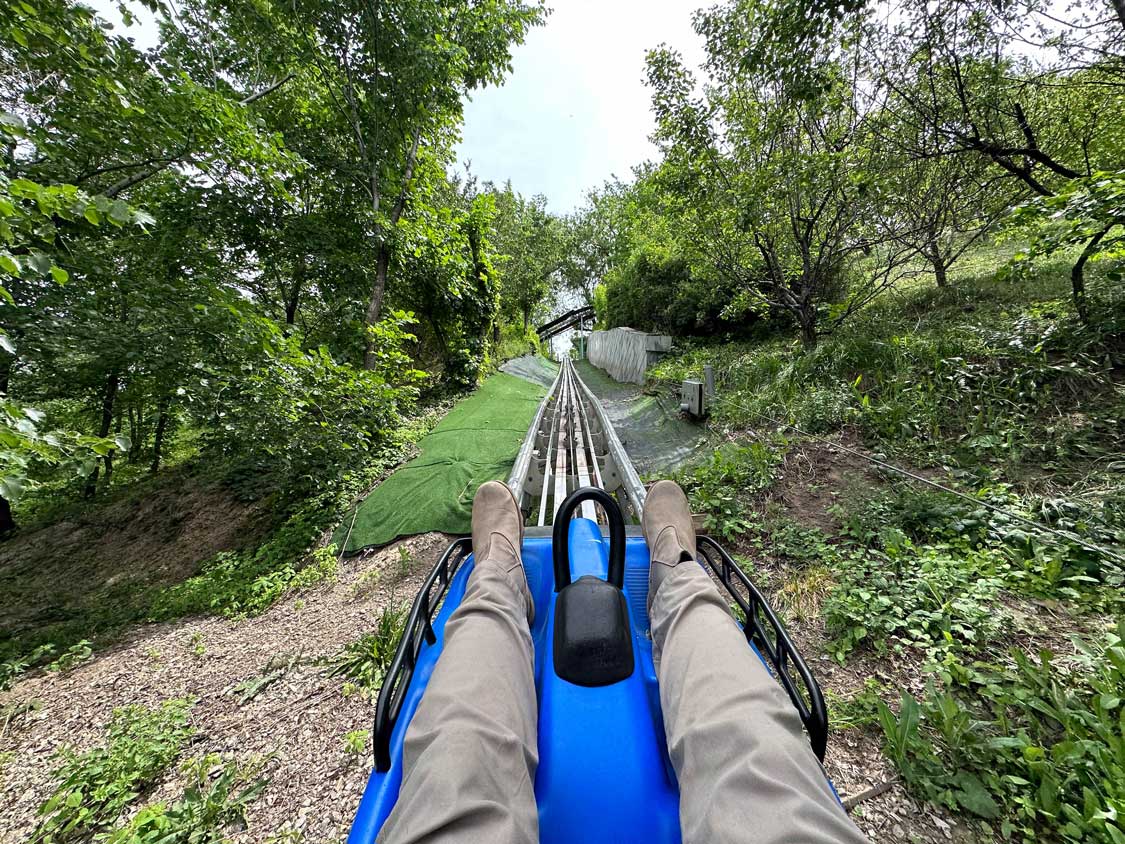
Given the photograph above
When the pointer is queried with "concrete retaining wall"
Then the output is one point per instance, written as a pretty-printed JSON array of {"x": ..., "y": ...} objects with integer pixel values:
[{"x": 626, "y": 353}]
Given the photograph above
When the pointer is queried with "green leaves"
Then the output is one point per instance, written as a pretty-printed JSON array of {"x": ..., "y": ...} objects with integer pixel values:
[
  {"x": 972, "y": 795},
  {"x": 23, "y": 443},
  {"x": 97, "y": 785},
  {"x": 216, "y": 797},
  {"x": 1026, "y": 743},
  {"x": 366, "y": 661}
]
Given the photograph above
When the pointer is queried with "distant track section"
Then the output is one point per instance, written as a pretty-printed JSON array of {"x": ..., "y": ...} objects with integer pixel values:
[
  {"x": 571, "y": 319},
  {"x": 571, "y": 444}
]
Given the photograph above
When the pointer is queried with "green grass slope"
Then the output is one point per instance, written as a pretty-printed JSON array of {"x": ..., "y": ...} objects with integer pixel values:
[{"x": 985, "y": 656}]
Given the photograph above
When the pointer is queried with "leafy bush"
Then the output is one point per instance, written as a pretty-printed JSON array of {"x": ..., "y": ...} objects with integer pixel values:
[
  {"x": 601, "y": 308},
  {"x": 515, "y": 342},
  {"x": 1030, "y": 561},
  {"x": 244, "y": 583},
  {"x": 657, "y": 291},
  {"x": 1035, "y": 746},
  {"x": 930, "y": 599},
  {"x": 355, "y": 742},
  {"x": 302, "y": 416},
  {"x": 95, "y": 786},
  {"x": 13, "y": 668},
  {"x": 217, "y": 796},
  {"x": 718, "y": 487},
  {"x": 365, "y": 661},
  {"x": 76, "y": 654},
  {"x": 247, "y": 582}
]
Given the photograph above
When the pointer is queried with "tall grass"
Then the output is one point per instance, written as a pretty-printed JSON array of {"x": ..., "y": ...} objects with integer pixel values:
[{"x": 927, "y": 371}]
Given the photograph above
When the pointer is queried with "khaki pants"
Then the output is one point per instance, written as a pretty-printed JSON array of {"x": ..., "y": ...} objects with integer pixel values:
[{"x": 745, "y": 769}]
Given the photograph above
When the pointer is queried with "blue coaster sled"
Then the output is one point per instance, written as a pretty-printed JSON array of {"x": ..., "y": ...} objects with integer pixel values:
[{"x": 604, "y": 773}]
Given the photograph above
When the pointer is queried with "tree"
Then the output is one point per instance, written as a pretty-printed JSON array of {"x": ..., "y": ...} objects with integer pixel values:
[
  {"x": 945, "y": 206},
  {"x": 531, "y": 248},
  {"x": 394, "y": 74},
  {"x": 1034, "y": 95},
  {"x": 596, "y": 241},
  {"x": 782, "y": 180},
  {"x": 291, "y": 164}
]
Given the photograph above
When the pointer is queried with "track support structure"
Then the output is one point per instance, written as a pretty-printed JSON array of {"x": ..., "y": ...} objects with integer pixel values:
[{"x": 572, "y": 444}]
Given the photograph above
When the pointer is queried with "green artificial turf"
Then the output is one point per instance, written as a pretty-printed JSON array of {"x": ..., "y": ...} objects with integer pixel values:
[{"x": 477, "y": 441}]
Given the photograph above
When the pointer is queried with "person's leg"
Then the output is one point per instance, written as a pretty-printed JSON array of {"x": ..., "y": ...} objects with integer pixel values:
[
  {"x": 744, "y": 765},
  {"x": 470, "y": 752}
]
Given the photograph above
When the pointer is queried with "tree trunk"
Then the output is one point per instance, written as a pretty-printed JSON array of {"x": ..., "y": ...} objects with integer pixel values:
[
  {"x": 1077, "y": 275},
  {"x": 807, "y": 320},
  {"x": 1119, "y": 7},
  {"x": 137, "y": 433},
  {"x": 158, "y": 437},
  {"x": 809, "y": 337},
  {"x": 294, "y": 298},
  {"x": 383, "y": 260},
  {"x": 7, "y": 522},
  {"x": 937, "y": 260},
  {"x": 108, "y": 459},
  {"x": 108, "y": 399},
  {"x": 940, "y": 274},
  {"x": 375, "y": 305}
]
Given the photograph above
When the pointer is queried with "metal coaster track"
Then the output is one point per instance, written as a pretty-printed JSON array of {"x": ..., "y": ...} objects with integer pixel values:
[{"x": 571, "y": 444}]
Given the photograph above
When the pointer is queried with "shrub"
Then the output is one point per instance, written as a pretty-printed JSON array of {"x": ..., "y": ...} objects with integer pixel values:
[
  {"x": 515, "y": 342},
  {"x": 657, "y": 291},
  {"x": 365, "y": 662},
  {"x": 718, "y": 487},
  {"x": 1032, "y": 745},
  {"x": 95, "y": 786},
  {"x": 301, "y": 416},
  {"x": 217, "y": 796},
  {"x": 931, "y": 599},
  {"x": 246, "y": 583}
]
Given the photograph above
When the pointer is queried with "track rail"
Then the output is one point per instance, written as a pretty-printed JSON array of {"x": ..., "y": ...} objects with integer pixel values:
[{"x": 572, "y": 444}]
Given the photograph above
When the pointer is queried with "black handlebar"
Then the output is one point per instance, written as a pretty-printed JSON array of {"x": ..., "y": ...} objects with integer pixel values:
[{"x": 561, "y": 536}]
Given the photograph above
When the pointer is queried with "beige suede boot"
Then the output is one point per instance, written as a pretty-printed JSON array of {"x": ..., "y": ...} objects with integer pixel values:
[
  {"x": 498, "y": 534},
  {"x": 669, "y": 532}
]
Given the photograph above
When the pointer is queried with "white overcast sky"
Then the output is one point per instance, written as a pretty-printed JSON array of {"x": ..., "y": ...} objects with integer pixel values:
[{"x": 574, "y": 112}]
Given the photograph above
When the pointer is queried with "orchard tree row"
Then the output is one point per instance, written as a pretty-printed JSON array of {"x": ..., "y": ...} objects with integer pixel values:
[{"x": 826, "y": 151}]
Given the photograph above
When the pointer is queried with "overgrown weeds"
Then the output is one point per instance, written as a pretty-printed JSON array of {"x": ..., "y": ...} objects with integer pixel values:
[
  {"x": 1031, "y": 744},
  {"x": 365, "y": 662},
  {"x": 722, "y": 487},
  {"x": 1000, "y": 394},
  {"x": 237, "y": 583},
  {"x": 96, "y": 786},
  {"x": 215, "y": 799},
  {"x": 275, "y": 669},
  {"x": 981, "y": 376}
]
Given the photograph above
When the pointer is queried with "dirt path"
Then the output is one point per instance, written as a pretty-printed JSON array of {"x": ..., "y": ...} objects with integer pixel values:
[{"x": 299, "y": 722}]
